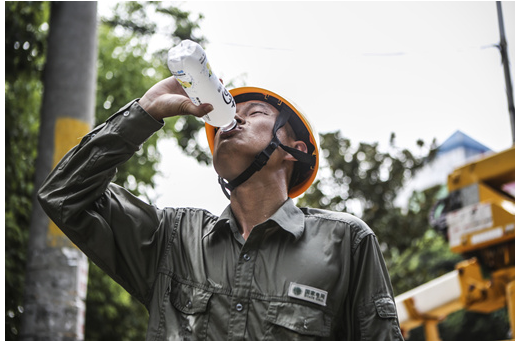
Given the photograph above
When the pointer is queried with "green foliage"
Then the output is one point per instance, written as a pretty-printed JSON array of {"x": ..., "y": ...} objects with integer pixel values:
[
  {"x": 471, "y": 326},
  {"x": 26, "y": 29},
  {"x": 429, "y": 258},
  {"x": 112, "y": 314},
  {"x": 365, "y": 181},
  {"x": 139, "y": 18}
]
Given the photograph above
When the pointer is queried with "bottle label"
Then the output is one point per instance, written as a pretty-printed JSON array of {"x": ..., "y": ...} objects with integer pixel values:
[
  {"x": 178, "y": 72},
  {"x": 185, "y": 83},
  {"x": 203, "y": 58},
  {"x": 228, "y": 99},
  {"x": 209, "y": 70}
]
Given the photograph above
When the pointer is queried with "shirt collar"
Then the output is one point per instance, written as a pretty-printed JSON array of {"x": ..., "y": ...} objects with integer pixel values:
[{"x": 288, "y": 217}]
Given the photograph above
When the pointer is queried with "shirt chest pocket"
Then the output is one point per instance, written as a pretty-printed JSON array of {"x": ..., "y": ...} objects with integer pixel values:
[
  {"x": 191, "y": 304},
  {"x": 290, "y": 321}
]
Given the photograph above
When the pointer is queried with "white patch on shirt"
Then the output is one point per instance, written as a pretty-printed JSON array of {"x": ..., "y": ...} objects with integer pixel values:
[{"x": 307, "y": 293}]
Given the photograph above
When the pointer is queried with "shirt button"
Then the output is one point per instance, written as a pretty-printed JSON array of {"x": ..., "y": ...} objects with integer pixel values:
[
  {"x": 239, "y": 307},
  {"x": 189, "y": 304},
  {"x": 246, "y": 257},
  {"x": 126, "y": 113}
]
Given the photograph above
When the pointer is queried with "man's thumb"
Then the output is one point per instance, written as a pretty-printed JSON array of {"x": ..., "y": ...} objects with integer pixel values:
[
  {"x": 207, "y": 108},
  {"x": 203, "y": 109}
]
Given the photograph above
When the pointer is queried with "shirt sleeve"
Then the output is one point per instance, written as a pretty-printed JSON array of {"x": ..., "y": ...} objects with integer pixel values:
[
  {"x": 116, "y": 230},
  {"x": 374, "y": 308}
]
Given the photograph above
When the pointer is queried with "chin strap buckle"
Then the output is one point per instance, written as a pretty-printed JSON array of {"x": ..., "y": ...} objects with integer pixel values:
[
  {"x": 224, "y": 186},
  {"x": 262, "y": 158}
]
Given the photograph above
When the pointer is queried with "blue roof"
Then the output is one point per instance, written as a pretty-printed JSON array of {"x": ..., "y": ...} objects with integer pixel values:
[{"x": 459, "y": 139}]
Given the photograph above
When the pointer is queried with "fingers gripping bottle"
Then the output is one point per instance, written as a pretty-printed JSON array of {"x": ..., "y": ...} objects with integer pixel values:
[{"x": 189, "y": 65}]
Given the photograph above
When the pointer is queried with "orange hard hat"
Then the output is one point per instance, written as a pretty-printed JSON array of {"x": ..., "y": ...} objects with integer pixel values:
[{"x": 304, "y": 173}]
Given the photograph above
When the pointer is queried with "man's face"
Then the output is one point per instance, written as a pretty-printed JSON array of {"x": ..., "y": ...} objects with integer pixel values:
[{"x": 235, "y": 150}]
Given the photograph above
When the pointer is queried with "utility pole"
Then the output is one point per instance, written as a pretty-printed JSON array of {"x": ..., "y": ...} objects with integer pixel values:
[
  {"x": 505, "y": 61},
  {"x": 57, "y": 272}
]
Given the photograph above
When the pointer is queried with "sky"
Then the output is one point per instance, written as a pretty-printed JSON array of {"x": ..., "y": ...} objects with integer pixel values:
[{"x": 422, "y": 70}]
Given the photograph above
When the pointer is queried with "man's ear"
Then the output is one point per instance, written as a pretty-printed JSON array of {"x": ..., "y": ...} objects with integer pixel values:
[{"x": 299, "y": 145}]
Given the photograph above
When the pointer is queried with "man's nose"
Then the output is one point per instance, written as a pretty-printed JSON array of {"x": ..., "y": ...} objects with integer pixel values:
[{"x": 239, "y": 118}]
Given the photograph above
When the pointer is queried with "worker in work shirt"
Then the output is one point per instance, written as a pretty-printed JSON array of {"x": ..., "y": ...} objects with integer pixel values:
[{"x": 263, "y": 269}]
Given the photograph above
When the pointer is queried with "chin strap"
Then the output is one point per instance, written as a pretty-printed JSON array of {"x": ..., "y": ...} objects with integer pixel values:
[{"x": 262, "y": 158}]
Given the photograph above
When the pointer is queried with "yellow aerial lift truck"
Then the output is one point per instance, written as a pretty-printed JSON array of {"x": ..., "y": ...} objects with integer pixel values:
[{"x": 477, "y": 219}]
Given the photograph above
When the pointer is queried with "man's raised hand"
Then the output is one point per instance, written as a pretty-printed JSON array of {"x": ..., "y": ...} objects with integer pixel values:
[{"x": 167, "y": 98}]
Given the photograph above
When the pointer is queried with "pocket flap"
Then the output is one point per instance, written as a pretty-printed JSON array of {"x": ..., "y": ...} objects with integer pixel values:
[
  {"x": 299, "y": 318},
  {"x": 188, "y": 299},
  {"x": 385, "y": 307}
]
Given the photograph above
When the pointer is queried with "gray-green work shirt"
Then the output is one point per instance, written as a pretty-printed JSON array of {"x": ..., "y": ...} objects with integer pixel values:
[{"x": 302, "y": 274}]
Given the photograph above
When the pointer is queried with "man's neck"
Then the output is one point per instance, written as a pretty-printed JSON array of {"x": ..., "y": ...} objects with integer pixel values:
[{"x": 253, "y": 204}]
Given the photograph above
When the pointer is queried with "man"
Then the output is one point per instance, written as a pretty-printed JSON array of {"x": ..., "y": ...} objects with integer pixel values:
[{"x": 264, "y": 269}]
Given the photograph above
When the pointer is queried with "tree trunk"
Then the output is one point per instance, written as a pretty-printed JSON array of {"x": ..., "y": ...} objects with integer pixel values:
[{"x": 57, "y": 272}]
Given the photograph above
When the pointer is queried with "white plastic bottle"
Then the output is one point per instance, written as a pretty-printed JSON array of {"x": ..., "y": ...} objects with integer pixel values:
[{"x": 189, "y": 65}]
